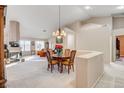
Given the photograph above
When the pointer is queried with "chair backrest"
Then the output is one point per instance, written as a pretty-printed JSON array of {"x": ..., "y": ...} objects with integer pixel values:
[
  {"x": 72, "y": 56},
  {"x": 51, "y": 51},
  {"x": 48, "y": 56},
  {"x": 67, "y": 52}
]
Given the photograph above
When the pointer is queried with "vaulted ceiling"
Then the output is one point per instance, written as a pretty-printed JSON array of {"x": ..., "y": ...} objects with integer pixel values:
[{"x": 39, "y": 21}]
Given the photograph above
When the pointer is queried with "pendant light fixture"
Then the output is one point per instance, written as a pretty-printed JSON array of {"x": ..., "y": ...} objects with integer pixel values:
[{"x": 60, "y": 33}]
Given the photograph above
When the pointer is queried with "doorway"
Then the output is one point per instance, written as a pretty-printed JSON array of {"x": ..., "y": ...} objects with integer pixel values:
[{"x": 120, "y": 48}]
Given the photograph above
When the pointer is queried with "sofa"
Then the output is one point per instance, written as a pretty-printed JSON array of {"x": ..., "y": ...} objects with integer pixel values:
[{"x": 42, "y": 53}]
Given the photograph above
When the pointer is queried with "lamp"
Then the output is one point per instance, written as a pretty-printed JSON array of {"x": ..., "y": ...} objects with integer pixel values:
[{"x": 60, "y": 33}]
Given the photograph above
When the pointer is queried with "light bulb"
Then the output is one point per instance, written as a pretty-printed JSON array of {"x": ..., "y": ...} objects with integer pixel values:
[
  {"x": 64, "y": 34},
  {"x": 54, "y": 34},
  {"x": 59, "y": 37}
]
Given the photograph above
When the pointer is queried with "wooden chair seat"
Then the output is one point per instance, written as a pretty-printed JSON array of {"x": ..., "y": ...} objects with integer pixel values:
[
  {"x": 67, "y": 63},
  {"x": 53, "y": 62}
]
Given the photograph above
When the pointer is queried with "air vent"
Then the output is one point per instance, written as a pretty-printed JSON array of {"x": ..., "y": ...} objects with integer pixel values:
[{"x": 44, "y": 30}]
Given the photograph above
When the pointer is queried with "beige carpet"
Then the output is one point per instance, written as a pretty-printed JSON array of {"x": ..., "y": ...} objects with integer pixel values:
[
  {"x": 33, "y": 74},
  {"x": 113, "y": 76}
]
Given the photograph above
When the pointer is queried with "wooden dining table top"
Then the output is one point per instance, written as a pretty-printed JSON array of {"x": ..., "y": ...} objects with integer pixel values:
[{"x": 62, "y": 56}]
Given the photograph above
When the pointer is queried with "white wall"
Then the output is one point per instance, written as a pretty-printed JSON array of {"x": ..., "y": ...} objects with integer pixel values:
[
  {"x": 14, "y": 32},
  {"x": 118, "y": 22},
  {"x": 96, "y": 40},
  {"x": 118, "y": 32},
  {"x": 101, "y": 21},
  {"x": 70, "y": 39}
]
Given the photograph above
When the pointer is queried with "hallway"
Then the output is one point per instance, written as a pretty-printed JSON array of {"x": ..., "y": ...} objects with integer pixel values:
[{"x": 113, "y": 76}]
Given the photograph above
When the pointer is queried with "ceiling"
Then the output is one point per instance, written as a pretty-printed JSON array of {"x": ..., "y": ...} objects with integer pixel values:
[{"x": 34, "y": 19}]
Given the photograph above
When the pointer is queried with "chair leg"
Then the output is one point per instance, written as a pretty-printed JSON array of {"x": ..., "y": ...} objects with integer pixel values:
[
  {"x": 48, "y": 67},
  {"x": 73, "y": 67},
  {"x": 61, "y": 69},
  {"x": 58, "y": 66},
  {"x": 51, "y": 68},
  {"x": 65, "y": 66},
  {"x": 68, "y": 69}
]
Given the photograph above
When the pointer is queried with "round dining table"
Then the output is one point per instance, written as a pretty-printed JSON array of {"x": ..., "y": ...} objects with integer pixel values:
[{"x": 60, "y": 59}]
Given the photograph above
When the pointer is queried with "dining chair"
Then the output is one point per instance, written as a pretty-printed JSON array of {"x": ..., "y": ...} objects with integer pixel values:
[
  {"x": 51, "y": 62},
  {"x": 67, "y": 52},
  {"x": 69, "y": 62},
  {"x": 51, "y": 51}
]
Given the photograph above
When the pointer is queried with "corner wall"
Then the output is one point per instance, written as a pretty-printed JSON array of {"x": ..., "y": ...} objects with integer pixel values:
[
  {"x": 99, "y": 38},
  {"x": 95, "y": 40}
]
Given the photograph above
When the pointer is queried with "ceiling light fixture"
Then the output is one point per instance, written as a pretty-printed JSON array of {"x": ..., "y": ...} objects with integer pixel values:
[
  {"x": 120, "y": 7},
  {"x": 87, "y": 7},
  {"x": 60, "y": 33}
]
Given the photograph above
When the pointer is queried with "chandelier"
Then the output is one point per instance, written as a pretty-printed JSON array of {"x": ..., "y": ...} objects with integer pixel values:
[{"x": 60, "y": 33}]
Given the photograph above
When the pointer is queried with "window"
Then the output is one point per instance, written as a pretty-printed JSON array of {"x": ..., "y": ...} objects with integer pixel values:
[
  {"x": 39, "y": 45},
  {"x": 22, "y": 45},
  {"x": 25, "y": 45}
]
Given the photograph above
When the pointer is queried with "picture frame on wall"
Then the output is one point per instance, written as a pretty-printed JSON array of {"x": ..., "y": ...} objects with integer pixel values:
[{"x": 59, "y": 40}]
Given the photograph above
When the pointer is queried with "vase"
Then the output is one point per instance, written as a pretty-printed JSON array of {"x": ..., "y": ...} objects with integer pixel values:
[{"x": 59, "y": 52}]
